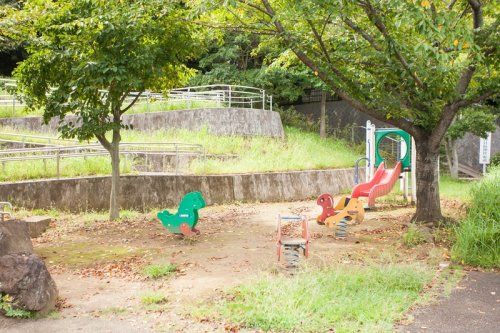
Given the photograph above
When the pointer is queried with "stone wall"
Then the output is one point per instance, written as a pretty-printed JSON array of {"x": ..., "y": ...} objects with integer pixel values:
[
  {"x": 219, "y": 121},
  {"x": 144, "y": 192}
]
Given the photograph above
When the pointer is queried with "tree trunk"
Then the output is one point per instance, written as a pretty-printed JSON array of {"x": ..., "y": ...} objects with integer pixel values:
[
  {"x": 114, "y": 208},
  {"x": 427, "y": 187},
  {"x": 322, "y": 117}
]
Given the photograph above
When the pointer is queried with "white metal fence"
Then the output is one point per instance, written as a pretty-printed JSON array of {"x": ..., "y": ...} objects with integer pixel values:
[
  {"x": 208, "y": 96},
  {"x": 128, "y": 151}
]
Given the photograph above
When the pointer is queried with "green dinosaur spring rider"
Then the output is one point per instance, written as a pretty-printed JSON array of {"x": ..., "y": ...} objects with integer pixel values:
[{"x": 186, "y": 218}]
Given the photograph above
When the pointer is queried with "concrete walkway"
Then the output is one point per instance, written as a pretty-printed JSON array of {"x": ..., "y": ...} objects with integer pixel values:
[{"x": 472, "y": 307}]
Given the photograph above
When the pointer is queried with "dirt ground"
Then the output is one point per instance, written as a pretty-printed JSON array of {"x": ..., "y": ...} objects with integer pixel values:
[{"x": 97, "y": 265}]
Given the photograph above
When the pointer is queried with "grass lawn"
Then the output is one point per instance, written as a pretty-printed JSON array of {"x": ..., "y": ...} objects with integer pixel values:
[
  {"x": 344, "y": 298},
  {"x": 299, "y": 151}
]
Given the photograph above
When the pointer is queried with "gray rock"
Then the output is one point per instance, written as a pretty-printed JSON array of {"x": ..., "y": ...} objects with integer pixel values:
[
  {"x": 37, "y": 225},
  {"x": 26, "y": 279},
  {"x": 14, "y": 237}
]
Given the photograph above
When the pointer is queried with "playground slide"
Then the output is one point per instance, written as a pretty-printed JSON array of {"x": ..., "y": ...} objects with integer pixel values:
[{"x": 381, "y": 184}]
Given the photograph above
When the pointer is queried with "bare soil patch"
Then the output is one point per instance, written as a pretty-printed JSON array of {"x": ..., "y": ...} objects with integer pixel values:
[{"x": 98, "y": 265}]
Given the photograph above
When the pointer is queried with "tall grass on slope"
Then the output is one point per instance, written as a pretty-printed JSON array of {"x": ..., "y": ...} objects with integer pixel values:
[
  {"x": 69, "y": 167},
  {"x": 299, "y": 151},
  {"x": 455, "y": 188},
  {"x": 478, "y": 235},
  {"x": 346, "y": 299}
]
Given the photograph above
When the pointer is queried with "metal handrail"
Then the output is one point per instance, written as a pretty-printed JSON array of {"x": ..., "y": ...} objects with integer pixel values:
[
  {"x": 231, "y": 95},
  {"x": 31, "y": 136}
]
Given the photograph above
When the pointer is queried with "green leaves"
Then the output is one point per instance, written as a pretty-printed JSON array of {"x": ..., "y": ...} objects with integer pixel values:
[
  {"x": 85, "y": 56},
  {"x": 399, "y": 58}
]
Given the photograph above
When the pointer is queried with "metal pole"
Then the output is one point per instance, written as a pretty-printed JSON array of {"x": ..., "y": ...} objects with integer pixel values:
[
  {"x": 413, "y": 171},
  {"x": 367, "y": 149},
  {"x": 263, "y": 99},
  {"x": 57, "y": 163},
  {"x": 271, "y": 102},
  {"x": 230, "y": 96}
]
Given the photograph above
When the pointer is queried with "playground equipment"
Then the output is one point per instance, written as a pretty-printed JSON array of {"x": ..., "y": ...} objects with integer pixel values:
[
  {"x": 186, "y": 218},
  {"x": 381, "y": 180},
  {"x": 290, "y": 247},
  {"x": 337, "y": 215}
]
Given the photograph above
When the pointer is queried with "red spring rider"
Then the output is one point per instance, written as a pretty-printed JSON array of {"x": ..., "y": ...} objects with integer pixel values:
[{"x": 326, "y": 202}]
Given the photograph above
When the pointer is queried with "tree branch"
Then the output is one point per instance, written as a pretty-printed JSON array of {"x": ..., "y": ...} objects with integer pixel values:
[
  {"x": 358, "y": 105},
  {"x": 466, "y": 77},
  {"x": 320, "y": 41},
  {"x": 131, "y": 103},
  {"x": 451, "y": 4},
  {"x": 362, "y": 33},
  {"x": 477, "y": 99},
  {"x": 104, "y": 142},
  {"x": 254, "y": 6},
  {"x": 377, "y": 21}
]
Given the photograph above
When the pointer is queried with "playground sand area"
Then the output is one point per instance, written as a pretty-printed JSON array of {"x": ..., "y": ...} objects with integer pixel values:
[{"x": 99, "y": 265}]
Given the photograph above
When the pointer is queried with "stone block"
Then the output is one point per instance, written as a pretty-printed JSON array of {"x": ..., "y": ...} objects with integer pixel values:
[
  {"x": 37, "y": 225},
  {"x": 14, "y": 237}
]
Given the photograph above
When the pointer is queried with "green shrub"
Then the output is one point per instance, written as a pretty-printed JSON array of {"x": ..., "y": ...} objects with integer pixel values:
[
  {"x": 413, "y": 236},
  {"x": 157, "y": 271},
  {"x": 495, "y": 160},
  {"x": 293, "y": 118},
  {"x": 478, "y": 235}
]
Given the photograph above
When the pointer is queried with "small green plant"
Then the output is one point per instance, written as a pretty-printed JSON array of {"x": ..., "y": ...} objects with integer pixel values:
[
  {"x": 10, "y": 311},
  {"x": 151, "y": 298},
  {"x": 113, "y": 310},
  {"x": 413, "y": 236},
  {"x": 444, "y": 235},
  {"x": 157, "y": 271}
]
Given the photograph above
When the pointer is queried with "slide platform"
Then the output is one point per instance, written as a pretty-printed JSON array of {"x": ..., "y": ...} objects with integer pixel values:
[{"x": 381, "y": 184}]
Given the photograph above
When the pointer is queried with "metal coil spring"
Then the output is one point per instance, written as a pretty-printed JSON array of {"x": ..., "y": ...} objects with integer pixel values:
[
  {"x": 291, "y": 255},
  {"x": 341, "y": 231}
]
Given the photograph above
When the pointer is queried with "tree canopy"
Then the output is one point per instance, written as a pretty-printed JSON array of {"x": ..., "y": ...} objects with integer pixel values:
[
  {"x": 413, "y": 64},
  {"x": 87, "y": 56}
]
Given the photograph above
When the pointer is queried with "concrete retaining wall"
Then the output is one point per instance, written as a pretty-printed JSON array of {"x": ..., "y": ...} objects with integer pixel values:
[
  {"x": 219, "y": 121},
  {"x": 152, "y": 191}
]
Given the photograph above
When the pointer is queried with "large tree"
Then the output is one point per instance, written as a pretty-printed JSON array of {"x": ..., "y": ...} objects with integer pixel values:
[
  {"x": 87, "y": 56},
  {"x": 413, "y": 64}
]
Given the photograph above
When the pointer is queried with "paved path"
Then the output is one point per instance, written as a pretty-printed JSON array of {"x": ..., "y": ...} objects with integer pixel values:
[{"x": 473, "y": 307}]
